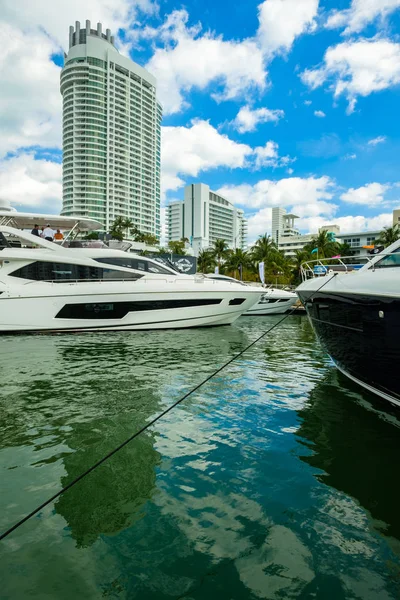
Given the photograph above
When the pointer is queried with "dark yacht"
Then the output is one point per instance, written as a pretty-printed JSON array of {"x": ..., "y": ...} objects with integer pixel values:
[{"x": 356, "y": 315}]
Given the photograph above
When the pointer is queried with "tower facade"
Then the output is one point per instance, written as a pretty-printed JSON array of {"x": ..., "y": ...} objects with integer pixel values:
[
  {"x": 203, "y": 217},
  {"x": 111, "y": 133}
]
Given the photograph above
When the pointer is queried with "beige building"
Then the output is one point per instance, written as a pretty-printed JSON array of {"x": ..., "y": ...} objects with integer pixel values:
[{"x": 396, "y": 217}]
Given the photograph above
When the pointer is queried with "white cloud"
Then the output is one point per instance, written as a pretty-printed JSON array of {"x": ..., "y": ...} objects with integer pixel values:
[
  {"x": 282, "y": 21},
  {"x": 371, "y": 194},
  {"x": 308, "y": 102},
  {"x": 319, "y": 113},
  {"x": 350, "y": 157},
  {"x": 55, "y": 19},
  {"x": 348, "y": 224},
  {"x": 283, "y": 192},
  {"x": 200, "y": 147},
  {"x": 259, "y": 223},
  {"x": 378, "y": 140},
  {"x": 360, "y": 14},
  {"x": 357, "y": 68},
  {"x": 190, "y": 60},
  {"x": 248, "y": 119},
  {"x": 268, "y": 156},
  {"x": 29, "y": 182},
  {"x": 30, "y": 100},
  {"x": 235, "y": 68}
]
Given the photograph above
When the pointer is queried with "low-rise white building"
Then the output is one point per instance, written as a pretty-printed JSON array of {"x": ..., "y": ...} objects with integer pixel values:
[
  {"x": 204, "y": 217},
  {"x": 289, "y": 239}
]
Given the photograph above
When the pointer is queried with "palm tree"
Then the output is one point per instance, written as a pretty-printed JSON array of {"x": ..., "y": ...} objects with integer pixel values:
[
  {"x": 177, "y": 247},
  {"x": 279, "y": 266},
  {"x": 219, "y": 250},
  {"x": 263, "y": 248},
  {"x": 300, "y": 257},
  {"x": 128, "y": 224},
  {"x": 344, "y": 249},
  {"x": 388, "y": 236},
  {"x": 205, "y": 261},
  {"x": 326, "y": 246},
  {"x": 235, "y": 260},
  {"x": 117, "y": 228}
]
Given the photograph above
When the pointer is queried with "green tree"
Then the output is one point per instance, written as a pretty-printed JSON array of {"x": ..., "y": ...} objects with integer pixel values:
[
  {"x": 93, "y": 235},
  {"x": 322, "y": 241},
  {"x": 236, "y": 259},
  {"x": 388, "y": 236},
  {"x": 263, "y": 249},
  {"x": 117, "y": 228},
  {"x": 150, "y": 239},
  {"x": 220, "y": 249},
  {"x": 206, "y": 261},
  {"x": 177, "y": 247},
  {"x": 344, "y": 249},
  {"x": 276, "y": 265},
  {"x": 300, "y": 257}
]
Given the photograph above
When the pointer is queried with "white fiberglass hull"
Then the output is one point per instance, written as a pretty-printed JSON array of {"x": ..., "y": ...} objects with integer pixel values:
[
  {"x": 274, "y": 302},
  {"x": 101, "y": 306}
]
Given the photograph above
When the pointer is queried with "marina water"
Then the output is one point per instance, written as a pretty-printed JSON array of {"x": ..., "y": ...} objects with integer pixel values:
[{"x": 277, "y": 479}]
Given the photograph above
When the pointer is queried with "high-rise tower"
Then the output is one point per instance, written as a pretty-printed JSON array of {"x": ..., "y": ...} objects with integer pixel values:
[{"x": 111, "y": 133}]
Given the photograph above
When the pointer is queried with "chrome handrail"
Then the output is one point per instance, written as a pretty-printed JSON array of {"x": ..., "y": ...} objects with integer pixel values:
[{"x": 307, "y": 268}]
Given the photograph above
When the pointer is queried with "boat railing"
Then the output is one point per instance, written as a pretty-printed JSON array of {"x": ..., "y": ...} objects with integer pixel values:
[{"x": 341, "y": 264}]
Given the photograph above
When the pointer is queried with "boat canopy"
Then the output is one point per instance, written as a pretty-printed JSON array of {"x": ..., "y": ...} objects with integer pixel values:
[{"x": 20, "y": 220}]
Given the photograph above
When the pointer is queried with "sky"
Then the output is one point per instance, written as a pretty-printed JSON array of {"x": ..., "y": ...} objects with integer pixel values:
[{"x": 290, "y": 103}]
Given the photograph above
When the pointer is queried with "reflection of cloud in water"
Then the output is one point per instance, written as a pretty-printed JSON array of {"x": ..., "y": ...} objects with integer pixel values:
[{"x": 297, "y": 538}]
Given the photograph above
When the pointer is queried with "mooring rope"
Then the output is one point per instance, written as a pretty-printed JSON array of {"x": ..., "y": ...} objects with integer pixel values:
[{"x": 152, "y": 422}]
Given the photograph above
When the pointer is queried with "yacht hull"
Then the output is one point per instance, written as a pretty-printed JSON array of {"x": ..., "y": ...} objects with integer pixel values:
[
  {"x": 271, "y": 308},
  {"x": 104, "y": 307},
  {"x": 361, "y": 333}
]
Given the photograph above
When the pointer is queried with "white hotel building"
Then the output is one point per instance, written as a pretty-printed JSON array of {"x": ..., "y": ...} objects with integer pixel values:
[
  {"x": 111, "y": 133},
  {"x": 204, "y": 217}
]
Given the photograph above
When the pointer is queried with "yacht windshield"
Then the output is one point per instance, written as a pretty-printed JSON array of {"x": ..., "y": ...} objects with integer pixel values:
[{"x": 390, "y": 260}]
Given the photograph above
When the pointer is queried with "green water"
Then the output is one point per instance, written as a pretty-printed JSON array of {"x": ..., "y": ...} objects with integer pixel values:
[{"x": 278, "y": 479}]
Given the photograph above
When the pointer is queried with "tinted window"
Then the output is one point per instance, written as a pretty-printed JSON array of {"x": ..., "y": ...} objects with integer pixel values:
[
  {"x": 118, "y": 310},
  {"x": 49, "y": 271},
  {"x": 390, "y": 260},
  {"x": 134, "y": 263}
]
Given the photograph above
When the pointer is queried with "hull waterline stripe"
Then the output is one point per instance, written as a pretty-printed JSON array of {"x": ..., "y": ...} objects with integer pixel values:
[
  {"x": 368, "y": 387},
  {"x": 150, "y": 424}
]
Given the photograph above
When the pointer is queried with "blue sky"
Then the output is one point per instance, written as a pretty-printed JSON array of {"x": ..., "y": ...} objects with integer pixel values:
[{"x": 277, "y": 103}]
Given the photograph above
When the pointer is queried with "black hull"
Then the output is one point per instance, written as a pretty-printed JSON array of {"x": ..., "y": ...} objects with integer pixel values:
[{"x": 362, "y": 335}]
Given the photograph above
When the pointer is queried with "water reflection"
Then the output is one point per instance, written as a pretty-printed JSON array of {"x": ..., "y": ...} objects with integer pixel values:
[
  {"x": 355, "y": 442},
  {"x": 225, "y": 498},
  {"x": 75, "y": 397},
  {"x": 112, "y": 497}
]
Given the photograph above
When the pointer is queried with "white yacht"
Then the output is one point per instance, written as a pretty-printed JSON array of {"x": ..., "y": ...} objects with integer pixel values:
[
  {"x": 45, "y": 287},
  {"x": 355, "y": 311},
  {"x": 272, "y": 301}
]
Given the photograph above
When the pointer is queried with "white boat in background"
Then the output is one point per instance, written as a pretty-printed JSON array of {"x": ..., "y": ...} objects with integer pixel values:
[
  {"x": 45, "y": 287},
  {"x": 272, "y": 301},
  {"x": 355, "y": 311}
]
